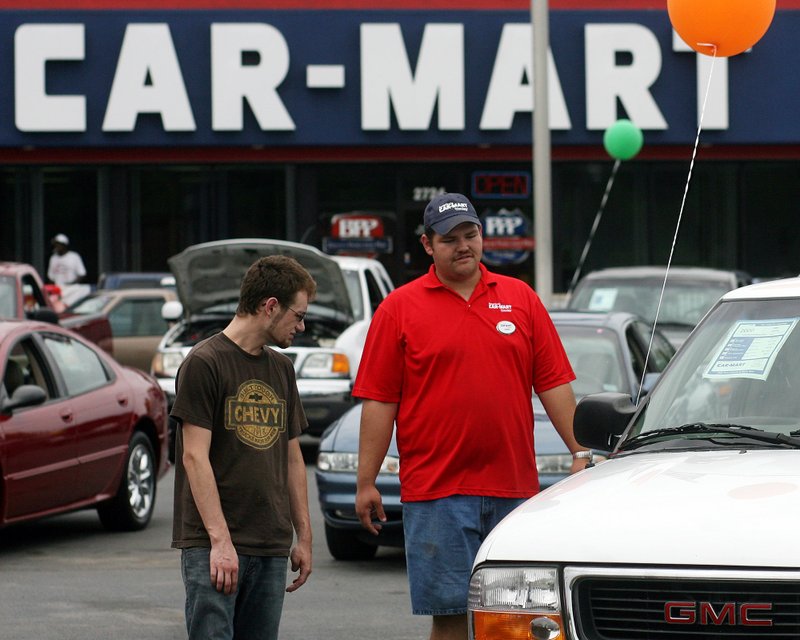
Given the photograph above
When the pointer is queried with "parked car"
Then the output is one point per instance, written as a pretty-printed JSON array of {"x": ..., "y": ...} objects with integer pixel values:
[
  {"x": 136, "y": 280},
  {"x": 607, "y": 351},
  {"x": 137, "y": 325},
  {"x": 701, "y": 494},
  {"x": 23, "y": 295},
  {"x": 77, "y": 429},
  {"x": 335, "y": 474},
  {"x": 208, "y": 277},
  {"x": 689, "y": 293}
]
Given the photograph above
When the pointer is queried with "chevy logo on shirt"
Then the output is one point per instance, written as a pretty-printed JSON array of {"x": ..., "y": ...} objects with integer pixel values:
[{"x": 256, "y": 414}]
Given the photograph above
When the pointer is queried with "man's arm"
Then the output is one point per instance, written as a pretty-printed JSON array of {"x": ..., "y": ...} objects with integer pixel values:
[
  {"x": 377, "y": 422},
  {"x": 559, "y": 403},
  {"x": 224, "y": 560},
  {"x": 301, "y": 520}
]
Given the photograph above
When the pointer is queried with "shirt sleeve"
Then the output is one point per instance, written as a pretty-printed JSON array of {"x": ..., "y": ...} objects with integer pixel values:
[
  {"x": 381, "y": 371},
  {"x": 196, "y": 389},
  {"x": 80, "y": 269}
]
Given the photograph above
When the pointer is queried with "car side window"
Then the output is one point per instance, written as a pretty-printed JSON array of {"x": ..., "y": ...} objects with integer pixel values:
[
  {"x": 138, "y": 317},
  {"x": 661, "y": 351},
  {"x": 33, "y": 296},
  {"x": 80, "y": 367},
  {"x": 637, "y": 351},
  {"x": 375, "y": 294},
  {"x": 25, "y": 366}
]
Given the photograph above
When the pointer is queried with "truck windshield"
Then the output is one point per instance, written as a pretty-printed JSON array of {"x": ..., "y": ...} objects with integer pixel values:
[{"x": 740, "y": 367}]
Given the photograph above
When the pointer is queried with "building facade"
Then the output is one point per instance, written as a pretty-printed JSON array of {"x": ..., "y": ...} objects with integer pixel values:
[{"x": 139, "y": 127}]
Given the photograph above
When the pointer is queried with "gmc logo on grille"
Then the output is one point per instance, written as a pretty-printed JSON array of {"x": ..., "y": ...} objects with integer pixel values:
[{"x": 706, "y": 613}]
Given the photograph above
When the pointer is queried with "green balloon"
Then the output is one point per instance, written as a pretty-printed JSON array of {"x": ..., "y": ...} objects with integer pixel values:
[{"x": 623, "y": 140}]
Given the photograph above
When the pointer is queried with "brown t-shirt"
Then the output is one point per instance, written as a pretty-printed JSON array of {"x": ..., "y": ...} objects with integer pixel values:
[{"x": 252, "y": 407}]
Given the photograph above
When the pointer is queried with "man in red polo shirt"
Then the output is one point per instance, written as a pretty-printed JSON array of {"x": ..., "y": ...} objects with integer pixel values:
[{"x": 452, "y": 357}]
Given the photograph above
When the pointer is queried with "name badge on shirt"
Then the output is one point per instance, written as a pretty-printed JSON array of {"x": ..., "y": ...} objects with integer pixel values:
[{"x": 505, "y": 327}]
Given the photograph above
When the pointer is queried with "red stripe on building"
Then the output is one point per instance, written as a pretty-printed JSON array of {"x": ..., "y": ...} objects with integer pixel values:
[{"x": 516, "y": 153}]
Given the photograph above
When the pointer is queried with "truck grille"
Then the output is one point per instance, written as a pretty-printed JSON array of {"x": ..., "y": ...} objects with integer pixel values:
[{"x": 674, "y": 608}]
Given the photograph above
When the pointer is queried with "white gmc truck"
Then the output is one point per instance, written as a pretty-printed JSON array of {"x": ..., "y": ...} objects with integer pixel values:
[{"x": 691, "y": 529}]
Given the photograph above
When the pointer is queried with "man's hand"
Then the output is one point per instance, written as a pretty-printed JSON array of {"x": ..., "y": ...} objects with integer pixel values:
[
  {"x": 301, "y": 561},
  {"x": 369, "y": 506},
  {"x": 224, "y": 567}
]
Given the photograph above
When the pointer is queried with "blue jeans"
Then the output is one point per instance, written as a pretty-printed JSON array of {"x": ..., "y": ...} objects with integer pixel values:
[
  {"x": 252, "y": 612},
  {"x": 442, "y": 539}
]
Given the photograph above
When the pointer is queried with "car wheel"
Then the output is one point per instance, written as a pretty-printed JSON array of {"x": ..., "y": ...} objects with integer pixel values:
[
  {"x": 132, "y": 507},
  {"x": 345, "y": 545}
]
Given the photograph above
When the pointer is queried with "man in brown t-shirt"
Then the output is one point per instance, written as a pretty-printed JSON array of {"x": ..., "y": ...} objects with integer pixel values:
[{"x": 240, "y": 478}]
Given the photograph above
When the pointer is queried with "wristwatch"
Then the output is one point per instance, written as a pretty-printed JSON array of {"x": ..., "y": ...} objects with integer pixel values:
[{"x": 578, "y": 455}]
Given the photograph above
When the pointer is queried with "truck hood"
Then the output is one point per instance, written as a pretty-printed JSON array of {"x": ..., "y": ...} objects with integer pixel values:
[
  {"x": 210, "y": 273},
  {"x": 635, "y": 510}
]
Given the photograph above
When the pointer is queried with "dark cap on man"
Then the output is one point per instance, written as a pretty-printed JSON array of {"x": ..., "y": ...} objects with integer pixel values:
[{"x": 448, "y": 210}]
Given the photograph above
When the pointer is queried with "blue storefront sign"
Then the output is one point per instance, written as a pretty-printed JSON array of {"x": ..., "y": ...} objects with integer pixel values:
[{"x": 288, "y": 78}]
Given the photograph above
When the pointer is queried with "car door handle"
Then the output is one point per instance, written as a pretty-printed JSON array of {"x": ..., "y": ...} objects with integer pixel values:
[
  {"x": 122, "y": 400},
  {"x": 66, "y": 416}
]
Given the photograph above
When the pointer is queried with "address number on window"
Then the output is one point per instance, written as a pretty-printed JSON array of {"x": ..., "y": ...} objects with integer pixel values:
[{"x": 423, "y": 194}]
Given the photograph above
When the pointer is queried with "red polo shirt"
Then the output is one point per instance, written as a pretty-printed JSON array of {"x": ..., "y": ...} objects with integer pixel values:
[{"x": 462, "y": 373}]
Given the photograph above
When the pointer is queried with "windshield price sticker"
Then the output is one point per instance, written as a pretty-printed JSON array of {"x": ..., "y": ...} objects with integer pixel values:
[
  {"x": 602, "y": 299},
  {"x": 750, "y": 349}
]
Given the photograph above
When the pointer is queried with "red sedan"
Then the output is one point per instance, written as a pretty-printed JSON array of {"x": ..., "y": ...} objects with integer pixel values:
[{"x": 77, "y": 430}]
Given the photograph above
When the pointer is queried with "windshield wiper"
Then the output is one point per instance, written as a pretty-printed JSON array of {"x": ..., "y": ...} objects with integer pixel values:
[{"x": 712, "y": 429}]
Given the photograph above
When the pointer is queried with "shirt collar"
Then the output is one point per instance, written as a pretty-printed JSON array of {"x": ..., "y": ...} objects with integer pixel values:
[{"x": 431, "y": 281}]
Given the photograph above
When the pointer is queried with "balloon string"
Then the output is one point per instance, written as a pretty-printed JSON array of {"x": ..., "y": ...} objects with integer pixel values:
[
  {"x": 596, "y": 223},
  {"x": 680, "y": 216}
]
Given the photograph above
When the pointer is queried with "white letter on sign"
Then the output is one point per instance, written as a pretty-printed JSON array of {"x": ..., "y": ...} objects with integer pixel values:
[
  {"x": 356, "y": 227},
  {"x": 233, "y": 82},
  {"x": 387, "y": 80},
  {"x": 606, "y": 81},
  {"x": 502, "y": 225},
  {"x": 508, "y": 94},
  {"x": 148, "y": 80},
  {"x": 34, "y": 46},
  {"x": 716, "y": 113}
]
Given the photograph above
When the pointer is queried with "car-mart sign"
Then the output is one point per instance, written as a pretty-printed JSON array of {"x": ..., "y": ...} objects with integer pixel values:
[{"x": 258, "y": 77}]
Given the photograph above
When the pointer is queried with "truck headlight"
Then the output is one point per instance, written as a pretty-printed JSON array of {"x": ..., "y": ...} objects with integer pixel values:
[
  {"x": 325, "y": 365},
  {"x": 515, "y": 603},
  {"x": 165, "y": 364}
]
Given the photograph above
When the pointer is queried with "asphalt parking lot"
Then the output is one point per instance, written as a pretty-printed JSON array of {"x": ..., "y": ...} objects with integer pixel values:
[{"x": 66, "y": 578}]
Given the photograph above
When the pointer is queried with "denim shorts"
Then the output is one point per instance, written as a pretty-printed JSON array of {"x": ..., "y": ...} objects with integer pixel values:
[
  {"x": 252, "y": 612},
  {"x": 442, "y": 540}
]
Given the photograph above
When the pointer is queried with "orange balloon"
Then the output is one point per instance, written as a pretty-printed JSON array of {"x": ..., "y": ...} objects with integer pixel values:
[{"x": 729, "y": 26}]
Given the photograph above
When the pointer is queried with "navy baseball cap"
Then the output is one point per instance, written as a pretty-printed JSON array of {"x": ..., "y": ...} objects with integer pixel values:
[{"x": 448, "y": 210}]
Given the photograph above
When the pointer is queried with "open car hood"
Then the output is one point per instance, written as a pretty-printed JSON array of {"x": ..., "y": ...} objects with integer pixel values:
[{"x": 211, "y": 273}]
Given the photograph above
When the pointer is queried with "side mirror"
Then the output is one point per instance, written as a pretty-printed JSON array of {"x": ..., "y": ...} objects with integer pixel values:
[
  {"x": 172, "y": 311},
  {"x": 601, "y": 418},
  {"x": 43, "y": 315},
  {"x": 26, "y": 395}
]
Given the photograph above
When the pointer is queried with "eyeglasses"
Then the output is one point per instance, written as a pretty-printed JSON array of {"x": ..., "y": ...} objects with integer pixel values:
[{"x": 300, "y": 316}]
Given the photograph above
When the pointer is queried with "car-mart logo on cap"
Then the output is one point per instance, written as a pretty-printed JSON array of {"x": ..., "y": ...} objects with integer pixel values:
[{"x": 458, "y": 206}]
